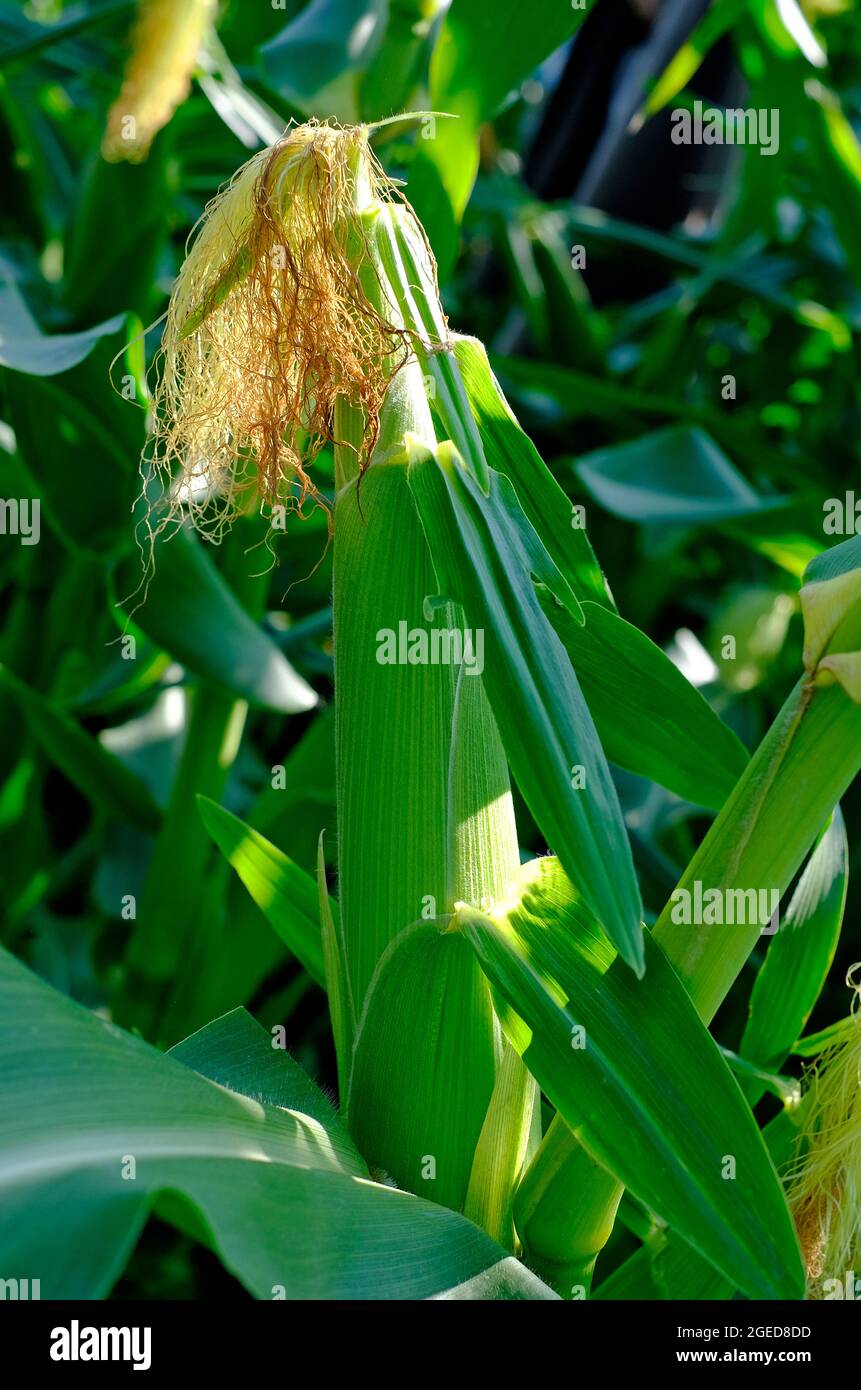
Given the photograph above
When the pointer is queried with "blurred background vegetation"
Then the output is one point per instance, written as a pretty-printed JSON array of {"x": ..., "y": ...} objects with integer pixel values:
[{"x": 676, "y": 325}]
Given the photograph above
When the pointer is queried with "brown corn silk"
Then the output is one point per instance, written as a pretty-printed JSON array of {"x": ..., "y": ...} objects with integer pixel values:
[
  {"x": 273, "y": 319},
  {"x": 824, "y": 1185}
]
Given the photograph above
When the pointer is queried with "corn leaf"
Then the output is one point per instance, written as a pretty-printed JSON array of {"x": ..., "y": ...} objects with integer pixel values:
[
  {"x": 684, "y": 64},
  {"x": 482, "y": 53},
  {"x": 81, "y": 1101},
  {"x": 813, "y": 1043},
  {"x": 511, "y": 1124},
  {"x": 649, "y": 717},
  {"x": 285, "y": 894},
  {"x": 24, "y": 348},
  {"x": 133, "y": 200},
  {"x": 830, "y": 599},
  {"x": 79, "y": 439},
  {"x": 510, "y": 451},
  {"x": 315, "y": 60},
  {"x": 799, "y": 957},
  {"x": 765, "y": 828},
  {"x": 112, "y": 787},
  {"x": 187, "y": 609},
  {"x": 230, "y": 1052},
  {"x": 486, "y": 556},
  {"x": 666, "y": 1267},
  {"x": 677, "y": 475},
  {"x": 634, "y": 1073}
]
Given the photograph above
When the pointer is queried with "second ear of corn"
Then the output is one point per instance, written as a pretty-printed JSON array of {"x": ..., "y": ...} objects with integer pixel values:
[
  {"x": 286, "y": 331},
  {"x": 165, "y": 41}
]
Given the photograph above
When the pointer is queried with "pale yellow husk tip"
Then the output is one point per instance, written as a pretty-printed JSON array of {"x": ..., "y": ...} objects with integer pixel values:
[
  {"x": 165, "y": 42},
  {"x": 824, "y": 1186},
  {"x": 277, "y": 313}
]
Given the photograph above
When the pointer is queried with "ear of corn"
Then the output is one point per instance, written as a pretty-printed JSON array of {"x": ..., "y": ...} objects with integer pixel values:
[
  {"x": 165, "y": 42},
  {"x": 425, "y": 819},
  {"x": 435, "y": 533}
]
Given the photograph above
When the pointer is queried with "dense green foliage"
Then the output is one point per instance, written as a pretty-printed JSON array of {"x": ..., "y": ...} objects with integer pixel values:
[{"x": 224, "y": 1007}]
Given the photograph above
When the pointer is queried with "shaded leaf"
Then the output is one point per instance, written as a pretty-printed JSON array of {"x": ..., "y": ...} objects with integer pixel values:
[
  {"x": 285, "y": 894},
  {"x": 675, "y": 475},
  {"x": 108, "y": 783},
  {"x": 187, "y": 609},
  {"x": 649, "y": 717}
]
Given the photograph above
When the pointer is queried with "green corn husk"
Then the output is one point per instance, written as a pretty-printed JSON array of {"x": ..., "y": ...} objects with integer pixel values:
[{"x": 425, "y": 819}]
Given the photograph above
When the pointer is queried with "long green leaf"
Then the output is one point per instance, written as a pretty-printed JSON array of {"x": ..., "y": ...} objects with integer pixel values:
[
  {"x": 95, "y": 1125},
  {"x": 482, "y": 53},
  {"x": 285, "y": 894},
  {"x": 24, "y": 348},
  {"x": 650, "y": 719},
  {"x": 486, "y": 557},
  {"x": 799, "y": 957},
  {"x": 633, "y": 1071},
  {"x": 112, "y": 787},
  {"x": 676, "y": 475},
  {"x": 187, "y": 608},
  {"x": 510, "y": 451},
  {"x": 667, "y": 1268}
]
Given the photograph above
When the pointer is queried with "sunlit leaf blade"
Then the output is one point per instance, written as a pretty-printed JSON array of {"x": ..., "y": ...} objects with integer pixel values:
[
  {"x": 510, "y": 451},
  {"x": 759, "y": 840},
  {"x": 649, "y": 717},
  {"x": 667, "y": 1267},
  {"x": 502, "y": 1149},
  {"x": 486, "y": 557},
  {"x": 636, "y": 1076},
  {"x": 187, "y": 608},
  {"x": 285, "y": 894},
  {"x": 814, "y": 1043},
  {"x": 420, "y": 1121},
  {"x": 230, "y": 1052},
  {"x": 480, "y": 56},
  {"x": 831, "y": 602},
  {"x": 81, "y": 1100},
  {"x": 509, "y": 1280},
  {"x": 799, "y": 956},
  {"x": 111, "y": 787}
]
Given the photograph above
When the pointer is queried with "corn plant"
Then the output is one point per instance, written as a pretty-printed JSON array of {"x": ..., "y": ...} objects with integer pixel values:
[{"x": 522, "y": 1064}]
